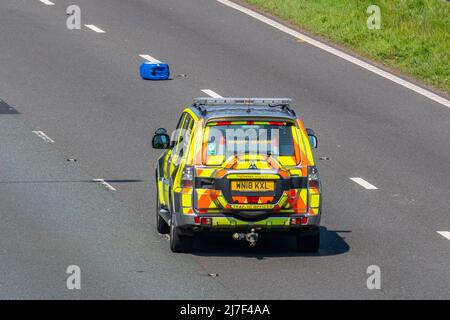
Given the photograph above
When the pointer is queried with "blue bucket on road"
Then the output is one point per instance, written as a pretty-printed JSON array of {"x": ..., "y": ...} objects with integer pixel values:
[{"x": 154, "y": 71}]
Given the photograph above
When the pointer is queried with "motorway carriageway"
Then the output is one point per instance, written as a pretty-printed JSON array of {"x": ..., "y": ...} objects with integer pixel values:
[{"x": 76, "y": 177}]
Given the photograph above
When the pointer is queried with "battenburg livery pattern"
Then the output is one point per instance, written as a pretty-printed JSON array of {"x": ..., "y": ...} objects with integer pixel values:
[{"x": 238, "y": 164}]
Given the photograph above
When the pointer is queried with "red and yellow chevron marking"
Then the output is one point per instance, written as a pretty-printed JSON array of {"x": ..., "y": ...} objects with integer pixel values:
[
  {"x": 299, "y": 205},
  {"x": 298, "y": 201},
  {"x": 252, "y": 199},
  {"x": 306, "y": 145},
  {"x": 205, "y": 173},
  {"x": 255, "y": 176},
  {"x": 186, "y": 210},
  {"x": 207, "y": 198},
  {"x": 314, "y": 201}
]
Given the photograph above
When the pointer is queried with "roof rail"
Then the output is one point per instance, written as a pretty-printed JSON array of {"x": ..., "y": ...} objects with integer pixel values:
[
  {"x": 201, "y": 108},
  {"x": 244, "y": 101},
  {"x": 282, "y": 103}
]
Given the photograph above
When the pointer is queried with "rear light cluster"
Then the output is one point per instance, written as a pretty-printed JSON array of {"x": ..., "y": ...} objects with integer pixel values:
[
  {"x": 293, "y": 221},
  {"x": 313, "y": 177},
  {"x": 187, "y": 179},
  {"x": 299, "y": 221},
  {"x": 203, "y": 221}
]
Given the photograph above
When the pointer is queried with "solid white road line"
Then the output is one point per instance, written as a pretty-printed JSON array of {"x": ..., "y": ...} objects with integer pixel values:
[
  {"x": 364, "y": 183},
  {"x": 43, "y": 136},
  {"x": 105, "y": 184},
  {"x": 211, "y": 93},
  {"x": 49, "y": 3},
  {"x": 149, "y": 58},
  {"x": 94, "y": 28},
  {"x": 338, "y": 53},
  {"x": 445, "y": 234}
]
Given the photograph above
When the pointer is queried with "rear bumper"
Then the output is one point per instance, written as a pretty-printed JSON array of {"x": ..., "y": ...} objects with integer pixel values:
[{"x": 227, "y": 222}]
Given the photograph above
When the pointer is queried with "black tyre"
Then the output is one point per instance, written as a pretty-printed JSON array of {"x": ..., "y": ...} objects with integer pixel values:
[
  {"x": 308, "y": 241},
  {"x": 178, "y": 242},
  {"x": 161, "y": 225}
]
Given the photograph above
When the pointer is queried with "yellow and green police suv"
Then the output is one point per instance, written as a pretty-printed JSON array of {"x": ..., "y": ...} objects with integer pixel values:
[{"x": 238, "y": 165}]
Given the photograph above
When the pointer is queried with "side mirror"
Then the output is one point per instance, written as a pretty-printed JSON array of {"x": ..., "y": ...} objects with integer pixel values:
[
  {"x": 161, "y": 139},
  {"x": 312, "y": 138}
]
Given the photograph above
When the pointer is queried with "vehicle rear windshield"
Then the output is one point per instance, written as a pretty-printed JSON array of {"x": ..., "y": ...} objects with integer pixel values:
[{"x": 224, "y": 139}]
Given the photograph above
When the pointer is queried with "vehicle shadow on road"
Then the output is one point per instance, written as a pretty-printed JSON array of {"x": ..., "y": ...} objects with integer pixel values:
[{"x": 269, "y": 245}]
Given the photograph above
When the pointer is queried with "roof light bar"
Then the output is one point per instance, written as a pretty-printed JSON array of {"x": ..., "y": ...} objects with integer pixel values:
[{"x": 242, "y": 101}]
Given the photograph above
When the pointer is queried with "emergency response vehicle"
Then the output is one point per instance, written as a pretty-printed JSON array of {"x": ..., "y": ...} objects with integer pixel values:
[{"x": 238, "y": 165}]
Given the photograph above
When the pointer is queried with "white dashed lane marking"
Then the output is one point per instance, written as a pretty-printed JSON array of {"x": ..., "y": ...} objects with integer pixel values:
[
  {"x": 338, "y": 53},
  {"x": 149, "y": 58},
  {"x": 43, "y": 136},
  {"x": 364, "y": 183},
  {"x": 105, "y": 184},
  {"x": 211, "y": 93},
  {"x": 445, "y": 234},
  {"x": 48, "y": 3},
  {"x": 94, "y": 28}
]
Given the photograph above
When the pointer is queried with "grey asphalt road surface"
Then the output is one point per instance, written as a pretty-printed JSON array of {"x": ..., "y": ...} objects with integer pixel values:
[{"x": 74, "y": 109}]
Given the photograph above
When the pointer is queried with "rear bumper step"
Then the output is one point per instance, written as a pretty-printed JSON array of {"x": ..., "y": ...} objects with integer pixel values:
[{"x": 229, "y": 222}]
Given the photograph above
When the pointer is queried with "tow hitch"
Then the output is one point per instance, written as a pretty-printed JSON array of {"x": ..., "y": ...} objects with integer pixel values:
[{"x": 251, "y": 237}]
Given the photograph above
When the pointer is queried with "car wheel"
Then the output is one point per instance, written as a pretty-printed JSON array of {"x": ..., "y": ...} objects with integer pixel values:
[
  {"x": 308, "y": 242},
  {"x": 161, "y": 225},
  {"x": 179, "y": 242}
]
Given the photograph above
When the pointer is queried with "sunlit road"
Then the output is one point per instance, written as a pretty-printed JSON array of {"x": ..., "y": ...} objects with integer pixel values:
[{"x": 74, "y": 109}]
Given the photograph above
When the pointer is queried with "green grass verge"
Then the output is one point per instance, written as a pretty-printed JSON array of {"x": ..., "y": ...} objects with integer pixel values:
[{"x": 414, "y": 37}]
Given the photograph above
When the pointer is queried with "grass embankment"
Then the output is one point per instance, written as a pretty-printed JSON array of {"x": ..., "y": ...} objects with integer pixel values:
[{"x": 414, "y": 37}]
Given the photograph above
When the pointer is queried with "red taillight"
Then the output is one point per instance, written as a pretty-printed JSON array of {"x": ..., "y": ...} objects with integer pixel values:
[
  {"x": 197, "y": 220},
  {"x": 206, "y": 221},
  {"x": 299, "y": 221}
]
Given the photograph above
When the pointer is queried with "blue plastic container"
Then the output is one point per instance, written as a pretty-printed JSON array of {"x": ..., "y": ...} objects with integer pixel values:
[{"x": 154, "y": 71}]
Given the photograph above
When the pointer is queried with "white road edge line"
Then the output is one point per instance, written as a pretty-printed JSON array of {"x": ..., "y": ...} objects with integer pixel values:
[
  {"x": 149, "y": 58},
  {"x": 43, "y": 136},
  {"x": 445, "y": 234},
  {"x": 105, "y": 184},
  {"x": 364, "y": 183},
  {"x": 94, "y": 28},
  {"x": 338, "y": 53},
  {"x": 48, "y": 3},
  {"x": 211, "y": 93}
]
